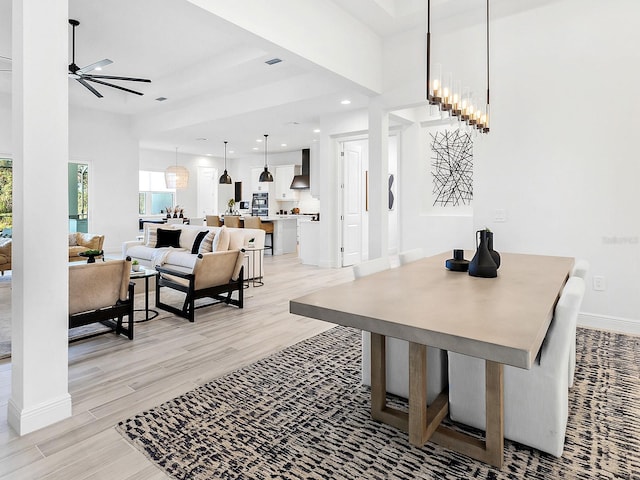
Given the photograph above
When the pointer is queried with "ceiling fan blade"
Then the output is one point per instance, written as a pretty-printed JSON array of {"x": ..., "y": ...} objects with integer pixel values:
[
  {"x": 93, "y": 66},
  {"x": 91, "y": 89},
  {"x": 111, "y": 77},
  {"x": 112, "y": 85}
]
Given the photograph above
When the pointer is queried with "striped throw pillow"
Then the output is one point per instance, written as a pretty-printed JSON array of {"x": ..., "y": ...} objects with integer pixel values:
[{"x": 207, "y": 242}]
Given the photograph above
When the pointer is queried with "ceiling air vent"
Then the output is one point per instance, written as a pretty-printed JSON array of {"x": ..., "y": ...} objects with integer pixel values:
[
  {"x": 273, "y": 61},
  {"x": 161, "y": 99}
]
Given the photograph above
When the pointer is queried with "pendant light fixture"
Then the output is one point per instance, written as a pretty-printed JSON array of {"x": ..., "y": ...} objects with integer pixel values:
[
  {"x": 225, "y": 178},
  {"x": 176, "y": 176},
  {"x": 447, "y": 95},
  {"x": 266, "y": 175}
]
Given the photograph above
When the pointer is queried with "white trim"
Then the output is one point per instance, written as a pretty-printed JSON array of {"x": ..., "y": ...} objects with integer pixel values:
[
  {"x": 40, "y": 416},
  {"x": 606, "y": 322}
]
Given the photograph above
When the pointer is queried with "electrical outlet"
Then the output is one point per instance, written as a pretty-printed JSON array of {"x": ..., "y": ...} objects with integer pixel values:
[
  {"x": 500, "y": 215},
  {"x": 599, "y": 285}
]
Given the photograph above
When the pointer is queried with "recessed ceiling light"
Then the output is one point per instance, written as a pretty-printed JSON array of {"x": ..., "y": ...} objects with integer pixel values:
[
  {"x": 317, "y": 130},
  {"x": 209, "y": 154},
  {"x": 255, "y": 148},
  {"x": 161, "y": 99},
  {"x": 273, "y": 61},
  {"x": 232, "y": 151},
  {"x": 345, "y": 102},
  {"x": 98, "y": 69},
  {"x": 283, "y": 144},
  {"x": 259, "y": 140}
]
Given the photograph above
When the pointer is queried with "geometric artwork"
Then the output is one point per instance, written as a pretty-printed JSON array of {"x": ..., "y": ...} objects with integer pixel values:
[{"x": 452, "y": 168}]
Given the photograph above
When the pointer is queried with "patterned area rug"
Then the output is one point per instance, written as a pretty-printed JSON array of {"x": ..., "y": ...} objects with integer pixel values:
[{"x": 302, "y": 413}]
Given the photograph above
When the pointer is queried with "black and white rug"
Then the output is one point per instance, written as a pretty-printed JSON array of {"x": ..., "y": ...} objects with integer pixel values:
[{"x": 303, "y": 414}]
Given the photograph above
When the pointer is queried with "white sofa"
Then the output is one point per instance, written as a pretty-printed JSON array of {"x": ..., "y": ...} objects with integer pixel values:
[{"x": 181, "y": 258}]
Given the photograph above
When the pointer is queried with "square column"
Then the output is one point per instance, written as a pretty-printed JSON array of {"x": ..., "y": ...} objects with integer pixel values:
[{"x": 40, "y": 149}]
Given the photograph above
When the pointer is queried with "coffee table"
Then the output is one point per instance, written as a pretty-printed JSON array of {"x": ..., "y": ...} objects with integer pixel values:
[{"x": 503, "y": 320}]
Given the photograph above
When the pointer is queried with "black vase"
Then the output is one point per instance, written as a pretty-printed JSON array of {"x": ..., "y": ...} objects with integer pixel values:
[
  {"x": 482, "y": 264},
  {"x": 495, "y": 255}
]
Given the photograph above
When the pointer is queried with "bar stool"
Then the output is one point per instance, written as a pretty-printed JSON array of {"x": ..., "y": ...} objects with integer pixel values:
[
  {"x": 213, "y": 221},
  {"x": 256, "y": 222},
  {"x": 232, "y": 221}
]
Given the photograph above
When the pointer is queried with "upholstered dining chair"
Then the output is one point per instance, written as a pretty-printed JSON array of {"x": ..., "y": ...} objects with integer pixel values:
[
  {"x": 397, "y": 351},
  {"x": 213, "y": 221},
  {"x": 536, "y": 401},
  {"x": 232, "y": 221},
  {"x": 580, "y": 269},
  {"x": 412, "y": 255}
]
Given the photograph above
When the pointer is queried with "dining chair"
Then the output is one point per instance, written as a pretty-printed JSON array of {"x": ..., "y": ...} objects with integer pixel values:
[
  {"x": 536, "y": 401},
  {"x": 232, "y": 221},
  {"x": 580, "y": 269},
  {"x": 397, "y": 351},
  {"x": 175, "y": 221},
  {"x": 213, "y": 221},
  {"x": 412, "y": 255},
  {"x": 257, "y": 223}
]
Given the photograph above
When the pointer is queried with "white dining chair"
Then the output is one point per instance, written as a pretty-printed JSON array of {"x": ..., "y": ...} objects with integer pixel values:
[
  {"x": 412, "y": 255},
  {"x": 536, "y": 401},
  {"x": 397, "y": 352},
  {"x": 580, "y": 269}
]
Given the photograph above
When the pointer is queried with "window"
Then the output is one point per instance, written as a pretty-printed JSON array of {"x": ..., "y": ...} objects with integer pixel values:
[
  {"x": 154, "y": 197},
  {"x": 78, "y": 197}
]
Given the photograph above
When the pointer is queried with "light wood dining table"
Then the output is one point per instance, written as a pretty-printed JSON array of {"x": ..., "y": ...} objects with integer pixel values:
[{"x": 502, "y": 320}]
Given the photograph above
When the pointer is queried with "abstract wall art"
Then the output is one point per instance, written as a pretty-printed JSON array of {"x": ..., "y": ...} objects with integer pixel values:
[{"x": 452, "y": 168}]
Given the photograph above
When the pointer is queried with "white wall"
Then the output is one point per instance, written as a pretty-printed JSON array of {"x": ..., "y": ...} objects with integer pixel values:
[
  {"x": 104, "y": 141},
  {"x": 562, "y": 156}
]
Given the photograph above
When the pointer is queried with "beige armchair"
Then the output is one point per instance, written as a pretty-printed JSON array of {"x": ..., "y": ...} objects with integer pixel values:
[
  {"x": 215, "y": 275},
  {"x": 101, "y": 292},
  {"x": 81, "y": 242},
  {"x": 5, "y": 256}
]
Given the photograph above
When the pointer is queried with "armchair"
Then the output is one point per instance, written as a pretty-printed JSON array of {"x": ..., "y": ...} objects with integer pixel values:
[
  {"x": 536, "y": 401},
  {"x": 5, "y": 255},
  {"x": 215, "y": 275},
  {"x": 101, "y": 292}
]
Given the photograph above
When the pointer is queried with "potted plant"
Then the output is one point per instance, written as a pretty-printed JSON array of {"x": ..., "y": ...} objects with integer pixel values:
[
  {"x": 231, "y": 204},
  {"x": 135, "y": 265}
]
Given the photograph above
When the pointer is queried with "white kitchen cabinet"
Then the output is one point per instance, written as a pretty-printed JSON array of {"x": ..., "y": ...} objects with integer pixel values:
[{"x": 283, "y": 176}]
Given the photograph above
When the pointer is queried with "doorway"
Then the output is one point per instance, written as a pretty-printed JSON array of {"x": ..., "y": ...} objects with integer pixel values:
[
  {"x": 207, "y": 191},
  {"x": 355, "y": 233}
]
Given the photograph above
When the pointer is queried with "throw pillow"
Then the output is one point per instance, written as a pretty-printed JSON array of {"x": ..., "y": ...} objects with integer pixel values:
[
  {"x": 151, "y": 234},
  {"x": 198, "y": 241},
  {"x": 73, "y": 241},
  {"x": 168, "y": 238},
  {"x": 207, "y": 242},
  {"x": 221, "y": 242}
]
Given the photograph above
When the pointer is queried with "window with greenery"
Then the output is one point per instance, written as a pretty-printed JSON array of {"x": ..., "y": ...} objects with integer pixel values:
[
  {"x": 78, "y": 197},
  {"x": 6, "y": 194},
  {"x": 153, "y": 196}
]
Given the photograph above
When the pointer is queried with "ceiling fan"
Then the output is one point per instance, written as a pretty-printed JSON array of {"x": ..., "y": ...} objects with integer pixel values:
[{"x": 83, "y": 75}]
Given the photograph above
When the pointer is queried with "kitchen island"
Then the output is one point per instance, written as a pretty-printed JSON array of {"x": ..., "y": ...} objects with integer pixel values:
[{"x": 284, "y": 233}]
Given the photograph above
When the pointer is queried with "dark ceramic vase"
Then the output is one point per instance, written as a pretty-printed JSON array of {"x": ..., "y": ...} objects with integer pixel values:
[
  {"x": 482, "y": 264},
  {"x": 495, "y": 255}
]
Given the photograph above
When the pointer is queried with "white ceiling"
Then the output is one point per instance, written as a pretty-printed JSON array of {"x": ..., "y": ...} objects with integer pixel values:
[{"x": 192, "y": 56}]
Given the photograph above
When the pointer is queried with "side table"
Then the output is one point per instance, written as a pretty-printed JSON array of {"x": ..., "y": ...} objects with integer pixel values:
[
  {"x": 146, "y": 274},
  {"x": 256, "y": 281}
]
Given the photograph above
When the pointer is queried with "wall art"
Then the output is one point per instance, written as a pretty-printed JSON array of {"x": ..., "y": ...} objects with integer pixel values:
[{"x": 452, "y": 167}]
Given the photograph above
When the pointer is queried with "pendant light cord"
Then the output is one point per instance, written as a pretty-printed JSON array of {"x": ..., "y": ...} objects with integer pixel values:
[{"x": 487, "y": 52}]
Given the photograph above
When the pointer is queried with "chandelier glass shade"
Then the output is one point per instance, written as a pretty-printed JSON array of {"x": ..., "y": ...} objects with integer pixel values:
[
  {"x": 225, "y": 178},
  {"x": 449, "y": 96},
  {"x": 175, "y": 176},
  {"x": 266, "y": 175}
]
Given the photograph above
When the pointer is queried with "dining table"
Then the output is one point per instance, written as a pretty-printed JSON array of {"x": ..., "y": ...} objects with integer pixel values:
[{"x": 502, "y": 320}]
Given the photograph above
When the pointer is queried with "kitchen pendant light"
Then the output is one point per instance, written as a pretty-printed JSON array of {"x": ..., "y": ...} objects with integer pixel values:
[
  {"x": 266, "y": 175},
  {"x": 176, "y": 176},
  {"x": 225, "y": 178}
]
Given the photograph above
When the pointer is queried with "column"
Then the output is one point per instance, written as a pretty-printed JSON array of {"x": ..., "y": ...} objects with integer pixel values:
[
  {"x": 378, "y": 179},
  {"x": 39, "y": 391}
]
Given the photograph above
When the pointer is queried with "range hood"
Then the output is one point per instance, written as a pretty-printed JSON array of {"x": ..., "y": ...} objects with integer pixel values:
[{"x": 301, "y": 182}]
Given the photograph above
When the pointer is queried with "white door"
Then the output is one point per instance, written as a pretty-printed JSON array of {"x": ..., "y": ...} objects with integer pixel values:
[
  {"x": 207, "y": 191},
  {"x": 352, "y": 203}
]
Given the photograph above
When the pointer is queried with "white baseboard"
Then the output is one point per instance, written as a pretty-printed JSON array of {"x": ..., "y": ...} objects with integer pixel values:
[
  {"x": 605, "y": 322},
  {"x": 30, "y": 419}
]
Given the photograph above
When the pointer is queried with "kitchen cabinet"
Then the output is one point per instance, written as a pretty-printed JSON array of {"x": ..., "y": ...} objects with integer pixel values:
[{"x": 283, "y": 176}]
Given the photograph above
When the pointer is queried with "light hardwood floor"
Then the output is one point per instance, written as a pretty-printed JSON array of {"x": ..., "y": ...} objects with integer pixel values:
[{"x": 112, "y": 378}]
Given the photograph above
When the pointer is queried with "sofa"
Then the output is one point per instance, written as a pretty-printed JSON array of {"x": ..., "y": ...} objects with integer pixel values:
[
  {"x": 81, "y": 242},
  {"x": 5, "y": 254},
  {"x": 183, "y": 249}
]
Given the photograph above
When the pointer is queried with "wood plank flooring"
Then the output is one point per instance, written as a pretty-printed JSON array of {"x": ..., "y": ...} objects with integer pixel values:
[{"x": 112, "y": 378}]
